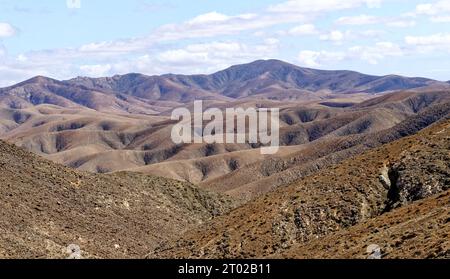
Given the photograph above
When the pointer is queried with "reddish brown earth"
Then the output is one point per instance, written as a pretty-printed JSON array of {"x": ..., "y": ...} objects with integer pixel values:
[{"x": 46, "y": 207}]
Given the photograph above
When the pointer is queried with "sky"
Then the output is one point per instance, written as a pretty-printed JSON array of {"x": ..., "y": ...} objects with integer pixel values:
[{"x": 63, "y": 39}]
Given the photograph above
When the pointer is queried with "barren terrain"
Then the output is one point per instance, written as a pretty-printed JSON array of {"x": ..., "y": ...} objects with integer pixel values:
[{"x": 90, "y": 161}]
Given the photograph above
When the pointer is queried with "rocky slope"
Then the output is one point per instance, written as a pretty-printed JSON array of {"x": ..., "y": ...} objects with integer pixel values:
[
  {"x": 417, "y": 231},
  {"x": 337, "y": 198},
  {"x": 46, "y": 207}
]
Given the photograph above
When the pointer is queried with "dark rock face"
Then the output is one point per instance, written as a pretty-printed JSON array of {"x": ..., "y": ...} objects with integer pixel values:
[{"x": 419, "y": 174}]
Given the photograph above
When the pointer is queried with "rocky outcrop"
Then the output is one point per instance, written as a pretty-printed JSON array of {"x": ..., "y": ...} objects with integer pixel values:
[{"x": 421, "y": 171}]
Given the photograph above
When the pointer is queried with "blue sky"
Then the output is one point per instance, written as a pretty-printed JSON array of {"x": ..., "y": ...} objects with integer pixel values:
[{"x": 63, "y": 39}]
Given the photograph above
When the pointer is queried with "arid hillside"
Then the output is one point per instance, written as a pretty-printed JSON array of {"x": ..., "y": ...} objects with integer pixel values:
[
  {"x": 417, "y": 231},
  {"x": 46, "y": 207},
  {"x": 265, "y": 175},
  {"x": 103, "y": 142},
  {"x": 337, "y": 203}
]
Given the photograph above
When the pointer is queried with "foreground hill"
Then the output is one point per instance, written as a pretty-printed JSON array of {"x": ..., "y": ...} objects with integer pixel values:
[
  {"x": 340, "y": 197},
  {"x": 46, "y": 207}
]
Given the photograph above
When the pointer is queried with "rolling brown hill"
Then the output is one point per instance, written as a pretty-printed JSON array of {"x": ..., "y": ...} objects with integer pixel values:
[
  {"x": 105, "y": 142},
  {"x": 341, "y": 201},
  {"x": 46, "y": 207},
  {"x": 263, "y": 176}
]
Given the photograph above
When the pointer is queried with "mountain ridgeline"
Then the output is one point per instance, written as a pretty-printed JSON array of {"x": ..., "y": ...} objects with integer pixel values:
[{"x": 264, "y": 79}]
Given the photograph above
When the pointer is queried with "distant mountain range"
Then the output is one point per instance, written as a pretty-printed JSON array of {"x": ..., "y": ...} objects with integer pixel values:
[
  {"x": 253, "y": 79},
  {"x": 263, "y": 79}
]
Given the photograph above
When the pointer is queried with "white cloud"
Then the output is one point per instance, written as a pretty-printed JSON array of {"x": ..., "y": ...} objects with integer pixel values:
[
  {"x": 215, "y": 24},
  {"x": 338, "y": 37},
  {"x": 115, "y": 47},
  {"x": 438, "y": 12},
  {"x": 208, "y": 18},
  {"x": 358, "y": 20},
  {"x": 371, "y": 54},
  {"x": 299, "y": 30},
  {"x": 305, "y": 29},
  {"x": 321, "y": 6},
  {"x": 217, "y": 53},
  {"x": 259, "y": 34},
  {"x": 14, "y": 71},
  {"x": 146, "y": 55},
  {"x": 399, "y": 22},
  {"x": 21, "y": 58},
  {"x": 371, "y": 33},
  {"x": 207, "y": 42},
  {"x": 151, "y": 54},
  {"x": 335, "y": 36},
  {"x": 7, "y": 30},
  {"x": 295, "y": 11},
  {"x": 373, "y": 3},
  {"x": 433, "y": 8},
  {"x": 309, "y": 58},
  {"x": 182, "y": 56},
  {"x": 440, "y": 41},
  {"x": 196, "y": 58},
  {"x": 432, "y": 40},
  {"x": 96, "y": 70},
  {"x": 73, "y": 4}
]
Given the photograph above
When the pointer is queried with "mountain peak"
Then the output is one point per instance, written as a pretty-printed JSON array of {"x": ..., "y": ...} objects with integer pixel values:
[
  {"x": 39, "y": 80},
  {"x": 270, "y": 64},
  {"x": 255, "y": 69}
]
